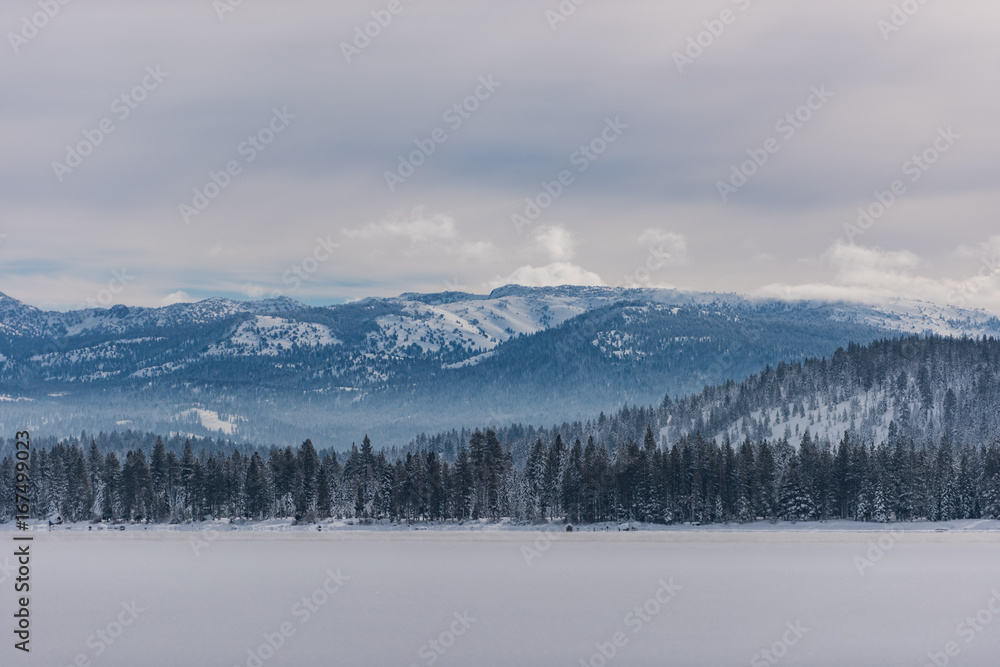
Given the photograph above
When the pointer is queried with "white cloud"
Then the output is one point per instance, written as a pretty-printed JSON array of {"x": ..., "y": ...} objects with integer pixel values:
[
  {"x": 871, "y": 275},
  {"x": 873, "y": 268},
  {"x": 556, "y": 241},
  {"x": 653, "y": 235},
  {"x": 669, "y": 247},
  {"x": 254, "y": 291},
  {"x": 987, "y": 252},
  {"x": 435, "y": 234},
  {"x": 417, "y": 227},
  {"x": 556, "y": 273},
  {"x": 177, "y": 297},
  {"x": 473, "y": 250}
]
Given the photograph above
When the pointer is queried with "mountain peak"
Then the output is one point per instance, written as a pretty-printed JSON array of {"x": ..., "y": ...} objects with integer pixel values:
[
  {"x": 283, "y": 300},
  {"x": 10, "y": 303},
  {"x": 441, "y": 298},
  {"x": 555, "y": 290}
]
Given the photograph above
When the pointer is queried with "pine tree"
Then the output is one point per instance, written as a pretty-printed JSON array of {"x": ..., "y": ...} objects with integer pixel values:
[
  {"x": 571, "y": 483},
  {"x": 880, "y": 506},
  {"x": 767, "y": 493},
  {"x": 307, "y": 467},
  {"x": 79, "y": 492},
  {"x": 113, "y": 509},
  {"x": 188, "y": 466},
  {"x": 258, "y": 496},
  {"x": 437, "y": 492},
  {"x": 95, "y": 467},
  {"x": 464, "y": 486},
  {"x": 324, "y": 499},
  {"x": 795, "y": 503},
  {"x": 158, "y": 474}
]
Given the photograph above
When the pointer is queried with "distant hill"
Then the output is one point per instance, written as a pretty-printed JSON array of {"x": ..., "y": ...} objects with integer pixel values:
[
  {"x": 279, "y": 371},
  {"x": 919, "y": 389}
]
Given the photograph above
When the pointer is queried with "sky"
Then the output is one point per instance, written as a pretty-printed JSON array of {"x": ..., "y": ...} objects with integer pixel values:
[{"x": 157, "y": 152}]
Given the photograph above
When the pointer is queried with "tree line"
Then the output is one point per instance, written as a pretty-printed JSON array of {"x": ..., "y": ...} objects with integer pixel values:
[
  {"x": 928, "y": 387},
  {"x": 696, "y": 480}
]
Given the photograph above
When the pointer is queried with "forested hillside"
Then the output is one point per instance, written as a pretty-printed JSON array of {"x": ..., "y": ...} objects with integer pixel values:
[
  {"x": 916, "y": 388},
  {"x": 939, "y": 459}
]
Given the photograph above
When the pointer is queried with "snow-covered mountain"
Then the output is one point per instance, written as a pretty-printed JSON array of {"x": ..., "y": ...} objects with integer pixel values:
[
  {"x": 277, "y": 369},
  {"x": 21, "y": 320}
]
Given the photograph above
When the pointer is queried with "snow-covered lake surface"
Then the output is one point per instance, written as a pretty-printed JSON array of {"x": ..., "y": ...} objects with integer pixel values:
[{"x": 810, "y": 595}]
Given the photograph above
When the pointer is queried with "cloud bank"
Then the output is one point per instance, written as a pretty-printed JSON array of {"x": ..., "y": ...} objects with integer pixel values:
[{"x": 278, "y": 128}]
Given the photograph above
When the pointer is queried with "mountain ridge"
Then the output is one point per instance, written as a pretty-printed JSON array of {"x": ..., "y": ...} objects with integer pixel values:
[{"x": 279, "y": 369}]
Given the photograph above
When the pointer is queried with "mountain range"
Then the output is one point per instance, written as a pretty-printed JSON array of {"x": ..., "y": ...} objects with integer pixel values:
[{"x": 278, "y": 371}]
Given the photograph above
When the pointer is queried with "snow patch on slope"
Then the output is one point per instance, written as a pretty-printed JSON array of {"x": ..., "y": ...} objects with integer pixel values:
[
  {"x": 471, "y": 361},
  {"x": 477, "y": 324},
  {"x": 211, "y": 420},
  {"x": 267, "y": 335},
  {"x": 917, "y": 317},
  {"x": 156, "y": 371}
]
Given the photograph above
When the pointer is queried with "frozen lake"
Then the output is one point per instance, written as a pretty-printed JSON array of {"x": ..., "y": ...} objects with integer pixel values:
[{"x": 450, "y": 598}]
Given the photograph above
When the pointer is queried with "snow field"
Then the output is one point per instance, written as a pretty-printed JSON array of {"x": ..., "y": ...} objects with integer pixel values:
[{"x": 383, "y": 598}]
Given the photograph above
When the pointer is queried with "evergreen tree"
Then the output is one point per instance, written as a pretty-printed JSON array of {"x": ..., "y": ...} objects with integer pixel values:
[
  {"x": 794, "y": 502},
  {"x": 158, "y": 474},
  {"x": 324, "y": 498}
]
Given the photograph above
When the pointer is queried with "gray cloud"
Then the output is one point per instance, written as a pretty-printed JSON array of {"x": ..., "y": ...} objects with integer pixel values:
[{"x": 324, "y": 175}]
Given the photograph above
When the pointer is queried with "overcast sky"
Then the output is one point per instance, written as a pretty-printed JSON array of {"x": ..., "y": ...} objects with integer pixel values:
[{"x": 667, "y": 98}]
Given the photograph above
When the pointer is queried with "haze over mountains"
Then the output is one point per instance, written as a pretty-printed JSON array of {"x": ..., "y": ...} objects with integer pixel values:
[{"x": 279, "y": 371}]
